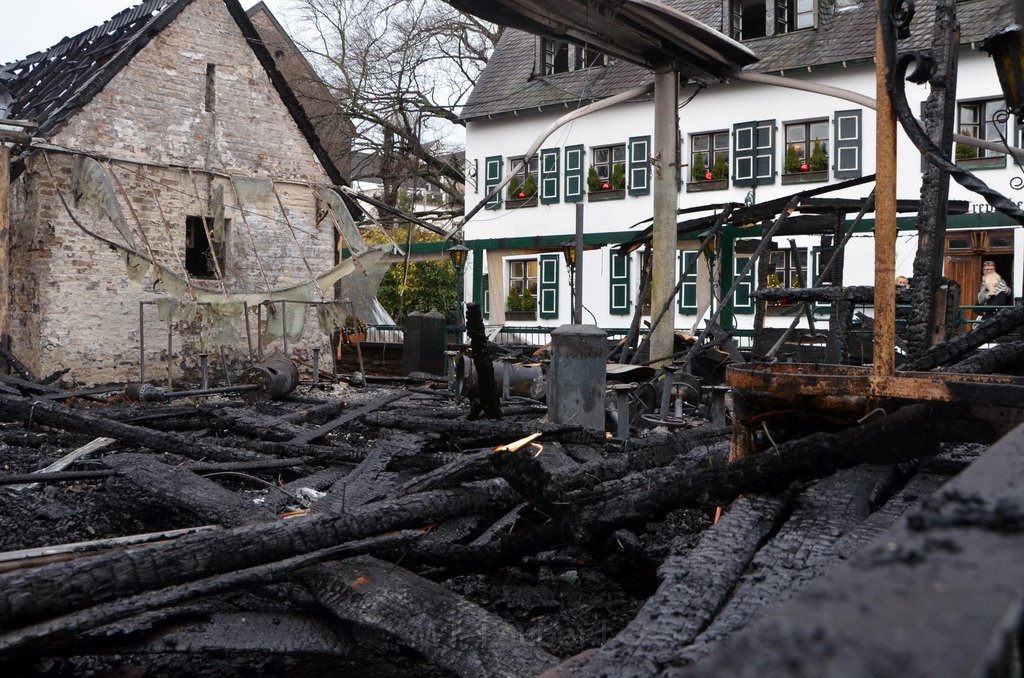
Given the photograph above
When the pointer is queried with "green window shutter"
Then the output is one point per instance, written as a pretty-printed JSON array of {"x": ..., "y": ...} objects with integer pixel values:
[
  {"x": 547, "y": 286},
  {"x": 847, "y": 145},
  {"x": 743, "y": 299},
  {"x": 549, "y": 176},
  {"x": 574, "y": 184},
  {"x": 492, "y": 177},
  {"x": 485, "y": 286},
  {"x": 688, "y": 274},
  {"x": 753, "y": 147},
  {"x": 619, "y": 284},
  {"x": 639, "y": 157}
]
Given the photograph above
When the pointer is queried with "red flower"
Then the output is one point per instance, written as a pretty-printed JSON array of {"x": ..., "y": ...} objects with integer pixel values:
[
  {"x": 522, "y": 194},
  {"x": 605, "y": 186},
  {"x": 709, "y": 176}
]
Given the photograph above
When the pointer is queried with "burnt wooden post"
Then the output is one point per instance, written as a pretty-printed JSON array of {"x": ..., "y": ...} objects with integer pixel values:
[
  {"x": 928, "y": 322},
  {"x": 482, "y": 361}
]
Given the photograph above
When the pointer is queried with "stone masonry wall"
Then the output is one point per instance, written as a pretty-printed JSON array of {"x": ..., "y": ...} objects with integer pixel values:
[{"x": 74, "y": 304}]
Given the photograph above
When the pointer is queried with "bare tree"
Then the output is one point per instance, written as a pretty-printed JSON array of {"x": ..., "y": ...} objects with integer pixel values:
[{"x": 400, "y": 70}]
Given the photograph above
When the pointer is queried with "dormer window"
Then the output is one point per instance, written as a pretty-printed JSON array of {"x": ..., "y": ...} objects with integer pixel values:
[
  {"x": 558, "y": 56},
  {"x": 751, "y": 18}
]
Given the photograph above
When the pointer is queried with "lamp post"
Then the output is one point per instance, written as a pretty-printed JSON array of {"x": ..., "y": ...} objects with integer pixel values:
[
  {"x": 569, "y": 252},
  {"x": 1007, "y": 51},
  {"x": 457, "y": 254}
]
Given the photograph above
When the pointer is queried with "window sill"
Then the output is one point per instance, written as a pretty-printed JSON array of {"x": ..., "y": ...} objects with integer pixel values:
[
  {"x": 982, "y": 163},
  {"x": 516, "y": 203},
  {"x": 611, "y": 194},
  {"x": 520, "y": 315},
  {"x": 805, "y": 177},
  {"x": 707, "y": 185}
]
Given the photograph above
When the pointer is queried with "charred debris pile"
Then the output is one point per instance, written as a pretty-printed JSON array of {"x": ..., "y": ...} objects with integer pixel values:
[{"x": 383, "y": 529}]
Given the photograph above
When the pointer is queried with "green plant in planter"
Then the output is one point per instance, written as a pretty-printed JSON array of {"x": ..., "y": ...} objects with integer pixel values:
[
  {"x": 819, "y": 158},
  {"x": 530, "y": 186},
  {"x": 593, "y": 181},
  {"x": 965, "y": 152},
  {"x": 699, "y": 169},
  {"x": 514, "y": 187},
  {"x": 515, "y": 301},
  {"x": 618, "y": 176},
  {"x": 720, "y": 169},
  {"x": 792, "y": 165},
  {"x": 529, "y": 303}
]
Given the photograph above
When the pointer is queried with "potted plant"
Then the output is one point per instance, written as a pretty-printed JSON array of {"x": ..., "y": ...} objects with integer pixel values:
[
  {"x": 618, "y": 177},
  {"x": 354, "y": 330},
  {"x": 792, "y": 165},
  {"x": 699, "y": 170},
  {"x": 529, "y": 189},
  {"x": 593, "y": 181},
  {"x": 720, "y": 170},
  {"x": 819, "y": 159},
  {"x": 514, "y": 188}
]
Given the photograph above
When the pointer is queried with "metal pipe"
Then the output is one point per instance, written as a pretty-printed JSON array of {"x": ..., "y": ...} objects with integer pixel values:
[
  {"x": 248, "y": 330},
  {"x": 577, "y": 273},
  {"x": 284, "y": 326},
  {"x": 316, "y": 365},
  {"x": 142, "y": 344},
  {"x": 170, "y": 362},
  {"x": 666, "y": 389}
]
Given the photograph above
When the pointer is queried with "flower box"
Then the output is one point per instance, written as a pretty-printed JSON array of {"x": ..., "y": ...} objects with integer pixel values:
[
  {"x": 805, "y": 177},
  {"x": 707, "y": 185},
  {"x": 516, "y": 203},
  {"x": 610, "y": 194},
  {"x": 520, "y": 315}
]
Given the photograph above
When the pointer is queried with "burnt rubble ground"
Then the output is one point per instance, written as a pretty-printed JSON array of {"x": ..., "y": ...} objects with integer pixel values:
[{"x": 563, "y": 594}]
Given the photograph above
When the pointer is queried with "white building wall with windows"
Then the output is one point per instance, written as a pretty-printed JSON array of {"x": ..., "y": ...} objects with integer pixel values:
[{"x": 725, "y": 108}]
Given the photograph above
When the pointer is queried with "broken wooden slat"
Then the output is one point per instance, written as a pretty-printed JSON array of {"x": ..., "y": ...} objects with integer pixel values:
[
  {"x": 448, "y": 629},
  {"x": 369, "y": 480},
  {"x": 68, "y": 459},
  {"x": 184, "y": 489},
  {"x": 324, "y": 429}
]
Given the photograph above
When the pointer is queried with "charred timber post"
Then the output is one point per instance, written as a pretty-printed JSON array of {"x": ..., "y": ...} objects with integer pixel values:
[
  {"x": 663, "y": 239},
  {"x": 482, "y": 361}
]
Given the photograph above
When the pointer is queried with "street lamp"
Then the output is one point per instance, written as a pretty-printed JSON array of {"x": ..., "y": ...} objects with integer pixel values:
[
  {"x": 457, "y": 254},
  {"x": 569, "y": 252},
  {"x": 1007, "y": 50}
]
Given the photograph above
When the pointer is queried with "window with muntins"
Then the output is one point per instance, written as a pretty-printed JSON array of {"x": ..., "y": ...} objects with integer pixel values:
[
  {"x": 709, "y": 156},
  {"x": 785, "y": 270},
  {"x": 984, "y": 119},
  {"x": 606, "y": 158},
  {"x": 806, "y": 146},
  {"x": 522, "y": 285},
  {"x": 524, "y": 181},
  {"x": 747, "y": 19},
  {"x": 794, "y": 15},
  {"x": 558, "y": 56}
]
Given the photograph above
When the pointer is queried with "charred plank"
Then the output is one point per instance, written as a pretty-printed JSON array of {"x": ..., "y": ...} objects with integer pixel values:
[{"x": 445, "y": 627}]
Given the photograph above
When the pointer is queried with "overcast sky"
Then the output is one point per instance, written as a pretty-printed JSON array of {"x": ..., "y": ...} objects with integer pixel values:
[{"x": 32, "y": 25}]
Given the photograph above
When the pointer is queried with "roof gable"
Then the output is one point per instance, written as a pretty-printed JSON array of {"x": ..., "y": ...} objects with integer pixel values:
[{"x": 48, "y": 87}]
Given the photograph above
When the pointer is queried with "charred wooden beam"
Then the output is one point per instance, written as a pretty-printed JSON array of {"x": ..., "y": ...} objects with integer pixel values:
[
  {"x": 63, "y": 417},
  {"x": 999, "y": 324},
  {"x": 694, "y": 587},
  {"x": 185, "y": 489},
  {"x": 60, "y": 476},
  {"x": 453, "y": 632},
  {"x": 369, "y": 480},
  {"x": 54, "y": 590},
  {"x": 475, "y": 434},
  {"x": 1008, "y": 357},
  {"x": 489, "y": 402}
]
